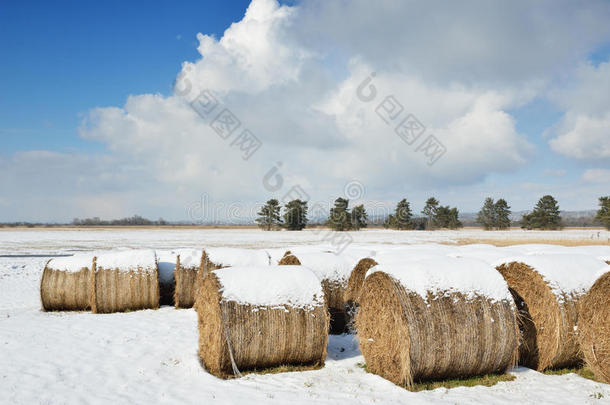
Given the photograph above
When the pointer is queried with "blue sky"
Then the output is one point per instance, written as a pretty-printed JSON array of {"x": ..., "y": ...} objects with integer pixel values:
[
  {"x": 63, "y": 58},
  {"x": 90, "y": 124}
]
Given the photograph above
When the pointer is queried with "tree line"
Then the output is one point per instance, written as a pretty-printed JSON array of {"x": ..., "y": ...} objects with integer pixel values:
[
  {"x": 545, "y": 215},
  {"x": 135, "y": 220}
]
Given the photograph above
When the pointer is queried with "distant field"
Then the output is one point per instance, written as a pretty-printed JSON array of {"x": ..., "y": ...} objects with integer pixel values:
[{"x": 70, "y": 239}]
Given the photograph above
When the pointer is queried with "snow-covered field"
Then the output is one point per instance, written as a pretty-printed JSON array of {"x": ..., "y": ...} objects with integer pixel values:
[{"x": 151, "y": 356}]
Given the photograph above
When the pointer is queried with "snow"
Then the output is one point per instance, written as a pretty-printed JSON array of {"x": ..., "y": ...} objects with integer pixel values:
[
  {"x": 564, "y": 272},
  {"x": 326, "y": 265},
  {"x": 128, "y": 260},
  {"x": 166, "y": 262},
  {"x": 238, "y": 257},
  {"x": 151, "y": 356},
  {"x": 271, "y": 286},
  {"x": 470, "y": 277},
  {"x": 190, "y": 257},
  {"x": 72, "y": 264}
]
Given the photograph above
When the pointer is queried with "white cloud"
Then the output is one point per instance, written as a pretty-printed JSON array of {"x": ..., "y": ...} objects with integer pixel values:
[
  {"x": 584, "y": 131},
  {"x": 290, "y": 75},
  {"x": 596, "y": 176}
]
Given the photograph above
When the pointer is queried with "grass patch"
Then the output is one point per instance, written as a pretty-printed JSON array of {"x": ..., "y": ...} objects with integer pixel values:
[
  {"x": 281, "y": 369},
  {"x": 486, "y": 380},
  {"x": 583, "y": 372}
]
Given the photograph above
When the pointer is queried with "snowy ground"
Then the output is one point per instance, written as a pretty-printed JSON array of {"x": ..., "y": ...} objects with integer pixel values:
[
  {"x": 150, "y": 356},
  {"x": 36, "y": 241}
]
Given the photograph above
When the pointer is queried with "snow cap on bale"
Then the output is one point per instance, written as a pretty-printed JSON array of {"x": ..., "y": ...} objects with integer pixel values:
[
  {"x": 125, "y": 280},
  {"x": 259, "y": 317},
  {"x": 546, "y": 289},
  {"x": 385, "y": 257},
  {"x": 594, "y": 327},
  {"x": 214, "y": 258},
  {"x": 436, "y": 319},
  {"x": 65, "y": 284},
  {"x": 225, "y": 257},
  {"x": 271, "y": 286}
]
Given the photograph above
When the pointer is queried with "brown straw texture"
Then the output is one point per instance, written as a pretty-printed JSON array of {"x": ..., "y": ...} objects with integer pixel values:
[
  {"x": 117, "y": 290},
  {"x": 62, "y": 290},
  {"x": 186, "y": 281},
  {"x": 594, "y": 328},
  {"x": 547, "y": 321},
  {"x": 407, "y": 338},
  {"x": 256, "y": 337}
]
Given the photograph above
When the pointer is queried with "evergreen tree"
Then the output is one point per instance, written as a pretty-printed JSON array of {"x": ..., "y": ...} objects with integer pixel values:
[
  {"x": 502, "y": 214},
  {"x": 546, "y": 215},
  {"x": 340, "y": 218},
  {"x": 487, "y": 215},
  {"x": 603, "y": 214},
  {"x": 269, "y": 215},
  {"x": 430, "y": 211},
  {"x": 358, "y": 218},
  {"x": 403, "y": 215},
  {"x": 295, "y": 215},
  {"x": 446, "y": 217},
  {"x": 390, "y": 222},
  {"x": 453, "y": 221}
]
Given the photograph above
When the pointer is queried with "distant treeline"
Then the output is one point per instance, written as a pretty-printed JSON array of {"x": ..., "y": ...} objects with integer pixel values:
[{"x": 136, "y": 220}]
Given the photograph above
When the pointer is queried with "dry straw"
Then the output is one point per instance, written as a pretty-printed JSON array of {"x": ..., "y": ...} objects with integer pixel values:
[
  {"x": 405, "y": 337},
  {"x": 119, "y": 289},
  {"x": 594, "y": 328},
  {"x": 547, "y": 321},
  {"x": 354, "y": 286},
  {"x": 186, "y": 279},
  {"x": 235, "y": 336},
  {"x": 333, "y": 294},
  {"x": 65, "y": 290}
]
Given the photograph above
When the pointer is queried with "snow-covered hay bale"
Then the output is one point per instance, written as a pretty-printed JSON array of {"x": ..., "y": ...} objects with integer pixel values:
[
  {"x": 125, "y": 281},
  {"x": 594, "y": 327},
  {"x": 436, "y": 319},
  {"x": 252, "y": 318},
  {"x": 333, "y": 272},
  {"x": 546, "y": 289},
  {"x": 65, "y": 284},
  {"x": 187, "y": 266}
]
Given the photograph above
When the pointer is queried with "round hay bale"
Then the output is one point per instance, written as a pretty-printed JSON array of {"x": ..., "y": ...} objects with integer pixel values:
[
  {"x": 333, "y": 272},
  {"x": 187, "y": 266},
  {"x": 65, "y": 284},
  {"x": 252, "y": 318},
  {"x": 594, "y": 327},
  {"x": 125, "y": 281},
  {"x": 546, "y": 289},
  {"x": 436, "y": 319}
]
